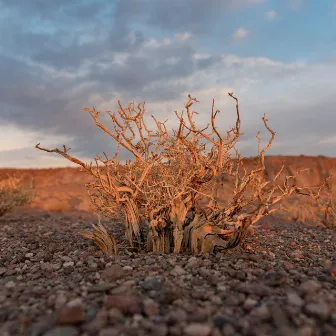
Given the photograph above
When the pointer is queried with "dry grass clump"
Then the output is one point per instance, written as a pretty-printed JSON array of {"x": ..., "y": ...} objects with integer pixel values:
[
  {"x": 103, "y": 240},
  {"x": 13, "y": 194},
  {"x": 168, "y": 182}
]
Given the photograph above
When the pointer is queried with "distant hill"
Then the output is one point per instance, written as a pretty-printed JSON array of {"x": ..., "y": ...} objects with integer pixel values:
[{"x": 62, "y": 189}]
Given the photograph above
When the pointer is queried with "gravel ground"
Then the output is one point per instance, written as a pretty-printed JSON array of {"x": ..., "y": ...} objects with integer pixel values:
[{"x": 55, "y": 283}]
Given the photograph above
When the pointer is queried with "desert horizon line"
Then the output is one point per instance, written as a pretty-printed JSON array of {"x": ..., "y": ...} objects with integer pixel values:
[{"x": 73, "y": 166}]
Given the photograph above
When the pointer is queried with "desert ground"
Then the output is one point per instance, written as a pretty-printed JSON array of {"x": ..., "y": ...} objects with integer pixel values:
[{"x": 53, "y": 282}]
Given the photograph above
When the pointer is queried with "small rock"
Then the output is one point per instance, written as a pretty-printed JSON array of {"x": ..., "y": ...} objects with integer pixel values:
[
  {"x": 71, "y": 315},
  {"x": 60, "y": 300},
  {"x": 249, "y": 304},
  {"x": 192, "y": 263},
  {"x": 98, "y": 323},
  {"x": 128, "y": 268},
  {"x": 177, "y": 271},
  {"x": 319, "y": 310},
  {"x": 177, "y": 316},
  {"x": 279, "y": 316},
  {"x": 294, "y": 299},
  {"x": 216, "y": 300},
  {"x": 220, "y": 321},
  {"x": 204, "y": 272},
  {"x": 309, "y": 287},
  {"x": 75, "y": 302},
  {"x": 197, "y": 329},
  {"x": 150, "y": 261},
  {"x": 68, "y": 266},
  {"x": 151, "y": 308},
  {"x": 333, "y": 270},
  {"x": 228, "y": 330},
  {"x": 93, "y": 265},
  {"x": 262, "y": 312},
  {"x": 154, "y": 283},
  {"x": 306, "y": 331},
  {"x": 160, "y": 330},
  {"x": 127, "y": 304},
  {"x": 45, "y": 323},
  {"x": 113, "y": 273},
  {"x": 10, "y": 284},
  {"x": 222, "y": 287},
  {"x": 115, "y": 315},
  {"x": 56, "y": 266},
  {"x": 271, "y": 255},
  {"x": 275, "y": 279}
]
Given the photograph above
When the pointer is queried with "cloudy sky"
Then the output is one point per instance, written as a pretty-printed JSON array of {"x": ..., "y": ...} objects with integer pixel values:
[{"x": 57, "y": 57}]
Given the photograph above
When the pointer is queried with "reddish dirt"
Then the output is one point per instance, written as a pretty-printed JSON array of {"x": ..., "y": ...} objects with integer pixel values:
[{"x": 62, "y": 189}]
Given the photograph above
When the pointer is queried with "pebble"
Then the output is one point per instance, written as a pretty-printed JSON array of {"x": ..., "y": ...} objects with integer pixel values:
[
  {"x": 309, "y": 287},
  {"x": 220, "y": 321},
  {"x": 155, "y": 283},
  {"x": 128, "y": 268},
  {"x": 262, "y": 312},
  {"x": 228, "y": 330},
  {"x": 197, "y": 329},
  {"x": 249, "y": 303},
  {"x": 151, "y": 308},
  {"x": 115, "y": 315},
  {"x": 127, "y": 304},
  {"x": 10, "y": 284},
  {"x": 178, "y": 271},
  {"x": 113, "y": 273},
  {"x": 71, "y": 315},
  {"x": 294, "y": 299},
  {"x": 319, "y": 310}
]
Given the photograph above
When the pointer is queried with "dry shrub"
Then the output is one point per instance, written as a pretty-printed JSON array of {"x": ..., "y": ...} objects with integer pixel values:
[
  {"x": 13, "y": 194},
  {"x": 320, "y": 210},
  {"x": 168, "y": 183}
]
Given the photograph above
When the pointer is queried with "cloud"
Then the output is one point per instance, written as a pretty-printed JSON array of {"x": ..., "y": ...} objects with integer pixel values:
[
  {"x": 62, "y": 56},
  {"x": 240, "y": 34},
  {"x": 271, "y": 15},
  {"x": 330, "y": 140}
]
